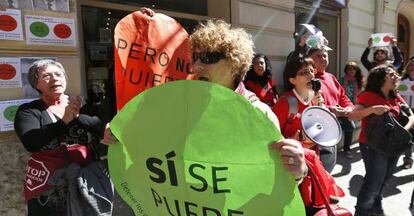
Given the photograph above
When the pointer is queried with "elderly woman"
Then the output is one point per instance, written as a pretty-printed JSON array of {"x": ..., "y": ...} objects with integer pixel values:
[
  {"x": 52, "y": 129},
  {"x": 222, "y": 55},
  {"x": 379, "y": 96},
  {"x": 259, "y": 80}
]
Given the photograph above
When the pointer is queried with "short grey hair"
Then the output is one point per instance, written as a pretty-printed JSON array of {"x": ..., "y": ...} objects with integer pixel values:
[{"x": 41, "y": 64}]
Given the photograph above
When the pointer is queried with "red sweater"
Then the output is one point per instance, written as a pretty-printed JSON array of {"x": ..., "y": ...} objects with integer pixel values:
[
  {"x": 265, "y": 94},
  {"x": 368, "y": 99},
  {"x": 281, "y": 109},
  {"x": 332, "y": 91}
]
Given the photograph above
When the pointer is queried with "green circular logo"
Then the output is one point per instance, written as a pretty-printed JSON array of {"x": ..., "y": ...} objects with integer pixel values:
[
  {"x": 312, "y": 43},
  {"x": 377, "y": 39},
  {"x": 196, "y": 148},
  {"x": 403, "y": 87},
  {"x": 10, "y": 112},
  {"x": 39, "y": 29}
]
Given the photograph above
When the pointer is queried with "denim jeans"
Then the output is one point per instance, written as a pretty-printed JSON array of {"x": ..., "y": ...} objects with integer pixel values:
[
  {"x": 378, "y": 168},
  {"x": 348, "y": 127}
]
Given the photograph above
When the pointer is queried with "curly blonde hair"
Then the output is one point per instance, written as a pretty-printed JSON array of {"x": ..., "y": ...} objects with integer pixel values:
[{"x": 235, "y": 43}]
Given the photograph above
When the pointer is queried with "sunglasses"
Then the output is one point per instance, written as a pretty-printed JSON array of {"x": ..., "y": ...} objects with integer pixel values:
[
  {"x": 351, "y": 67},
  {"x": 208, "y": 57}
]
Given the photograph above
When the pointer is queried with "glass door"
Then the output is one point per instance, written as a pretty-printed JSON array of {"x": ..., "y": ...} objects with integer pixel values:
[{"x": 98, "y": 24}]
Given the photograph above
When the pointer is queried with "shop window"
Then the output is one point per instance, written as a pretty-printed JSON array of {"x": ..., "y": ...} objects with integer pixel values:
[{"x": 98, "y": 26}]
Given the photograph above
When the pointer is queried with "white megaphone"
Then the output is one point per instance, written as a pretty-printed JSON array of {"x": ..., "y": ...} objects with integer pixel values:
[{"x": 321, "y": 126}]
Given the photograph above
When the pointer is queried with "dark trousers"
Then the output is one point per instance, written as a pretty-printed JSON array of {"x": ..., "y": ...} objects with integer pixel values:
[
  {"x": 378, "y": 168},
  {"x": 327, "y": 155},
  {"x": 348, "y": 127},
  {"x": 40, "y": 206}
]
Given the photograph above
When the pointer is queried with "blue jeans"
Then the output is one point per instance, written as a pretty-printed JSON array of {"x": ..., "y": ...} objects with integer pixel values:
[
  {"x": 348, "y": 127},
  {"x": 378, "y": 168}
]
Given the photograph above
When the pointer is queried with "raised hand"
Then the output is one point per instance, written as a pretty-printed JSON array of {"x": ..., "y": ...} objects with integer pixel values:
[{"x": 72, "y": 109}]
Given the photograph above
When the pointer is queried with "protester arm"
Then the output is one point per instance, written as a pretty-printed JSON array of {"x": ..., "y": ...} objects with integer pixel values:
[
  {"x": 398, "y": 60},
  {"x": 360, "y": 111},
  {"x": 364, "y": 59},
  {"x": 34, "y": 135}
]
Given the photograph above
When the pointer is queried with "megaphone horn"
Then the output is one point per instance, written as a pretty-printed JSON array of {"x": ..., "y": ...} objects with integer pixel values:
[{"x": 321, "y": 126}]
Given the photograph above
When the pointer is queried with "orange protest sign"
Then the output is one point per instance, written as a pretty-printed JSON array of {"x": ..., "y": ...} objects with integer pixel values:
[{"x": 149, "y": 50}]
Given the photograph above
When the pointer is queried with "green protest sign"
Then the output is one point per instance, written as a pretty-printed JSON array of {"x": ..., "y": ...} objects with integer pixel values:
[{"x": 196, "y": 148}]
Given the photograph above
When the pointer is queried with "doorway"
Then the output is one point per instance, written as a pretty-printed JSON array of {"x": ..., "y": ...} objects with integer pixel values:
[
  {"x": 404, "y": 36},
  {"x": 327, "y": 20},
  {"x": 98, "y": 23}
]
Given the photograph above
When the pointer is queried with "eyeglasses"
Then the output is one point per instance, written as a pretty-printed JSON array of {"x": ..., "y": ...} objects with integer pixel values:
[
  {"x": 305, "y": 71},
  {"x": 47, "y": 76},
  {"x": 208, "y": 57}
]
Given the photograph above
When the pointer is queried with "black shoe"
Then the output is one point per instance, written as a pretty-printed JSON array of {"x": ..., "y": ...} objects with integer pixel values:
[
  {"x": 408, "y": 163},
  {"x": 348, "y": 154}
]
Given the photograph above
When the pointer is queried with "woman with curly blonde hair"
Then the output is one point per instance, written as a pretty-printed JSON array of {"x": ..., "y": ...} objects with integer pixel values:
[{"x": 223, "y": 55}]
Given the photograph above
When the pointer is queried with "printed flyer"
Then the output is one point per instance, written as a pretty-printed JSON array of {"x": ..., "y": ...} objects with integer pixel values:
[
  {"x": 54, "y": 31},
  {"x": 8, "y": 111},
  {"x": 406, "y": 89},
  {"x": 11, "y": 25},
  {"x": 10, "y": 76}
]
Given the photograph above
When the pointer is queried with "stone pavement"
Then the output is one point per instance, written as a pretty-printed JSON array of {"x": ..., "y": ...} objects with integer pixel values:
[{"x": 349, "y": 174}]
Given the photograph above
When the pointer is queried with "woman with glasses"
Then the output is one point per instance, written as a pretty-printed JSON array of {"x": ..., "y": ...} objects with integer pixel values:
[
  {"x": 297, "y": 77},
  {"x": 259, "y": 80},
  {"x": 352, "y": 83},
  {"x": 56, "y": 131},
  {"x": 380, "y": 96}
]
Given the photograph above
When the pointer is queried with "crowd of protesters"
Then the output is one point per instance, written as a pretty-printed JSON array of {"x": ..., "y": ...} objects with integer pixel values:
[{"x": 224, "y": 55}]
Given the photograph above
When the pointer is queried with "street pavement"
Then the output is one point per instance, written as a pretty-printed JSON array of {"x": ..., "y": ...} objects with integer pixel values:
[{"x": 349, "y": 174}]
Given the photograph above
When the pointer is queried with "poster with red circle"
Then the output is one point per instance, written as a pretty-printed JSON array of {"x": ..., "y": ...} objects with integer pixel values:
[
  {"x": 381, "y": 39},
  {"x": 50, "y": 31},
  {"x": 11, "y": 25},
  {"x": 10, "y": 76}
]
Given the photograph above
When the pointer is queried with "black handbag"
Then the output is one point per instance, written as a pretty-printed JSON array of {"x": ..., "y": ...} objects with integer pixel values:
[
  {"x": 386, "y": 135},
  {"x": 404, "y": 115}
]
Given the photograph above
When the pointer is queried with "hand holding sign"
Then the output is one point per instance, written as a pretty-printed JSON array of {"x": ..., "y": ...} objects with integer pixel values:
[{"x": 197, "y": 148}]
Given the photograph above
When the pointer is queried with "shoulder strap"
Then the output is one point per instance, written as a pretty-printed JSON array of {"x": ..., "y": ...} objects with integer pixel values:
[{"x": 293, "y": 108}]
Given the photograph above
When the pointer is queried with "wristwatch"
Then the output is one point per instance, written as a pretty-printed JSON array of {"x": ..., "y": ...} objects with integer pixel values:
[{"x": 300, "y": 179}]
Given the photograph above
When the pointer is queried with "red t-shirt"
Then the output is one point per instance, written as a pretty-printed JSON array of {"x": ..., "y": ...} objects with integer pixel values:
[
  {"x": 368, "y": 98},
  {"x": 281, "y": 109},
  {"x": 332, "y": 91},
  {"x": 265, "y": 94}
]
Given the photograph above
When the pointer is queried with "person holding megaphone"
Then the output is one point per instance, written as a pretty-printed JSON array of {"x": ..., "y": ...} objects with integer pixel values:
[
  {"x": 302, "y": 92},
  {"x": 297, "y": 76}
]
